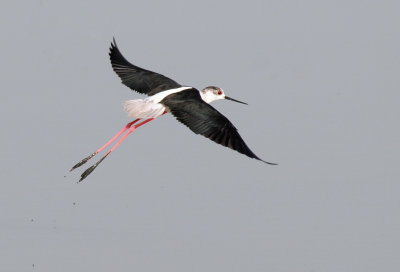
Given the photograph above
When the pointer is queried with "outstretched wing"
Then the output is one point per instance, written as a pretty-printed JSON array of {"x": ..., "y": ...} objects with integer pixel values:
[
  {"x": 203, "y": 119},
  {"x": 138, "y": 79}
]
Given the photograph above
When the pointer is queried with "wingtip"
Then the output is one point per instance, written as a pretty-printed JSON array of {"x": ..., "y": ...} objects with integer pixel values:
[
  {"x": 270, "y": 163},
  {"x": 113, "y": 46}
]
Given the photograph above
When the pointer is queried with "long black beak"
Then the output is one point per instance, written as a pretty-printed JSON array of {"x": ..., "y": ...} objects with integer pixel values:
[{"x": 226, "y": 97}]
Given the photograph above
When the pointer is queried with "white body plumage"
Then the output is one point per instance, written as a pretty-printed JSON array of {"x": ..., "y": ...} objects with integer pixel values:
[{"x": 151, "y": 107}]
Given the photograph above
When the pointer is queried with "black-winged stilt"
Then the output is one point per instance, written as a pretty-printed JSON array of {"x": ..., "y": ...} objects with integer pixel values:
[{"x": 189, "y": 105}]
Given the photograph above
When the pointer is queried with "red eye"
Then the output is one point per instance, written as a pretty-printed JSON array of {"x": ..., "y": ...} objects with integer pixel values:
[{"x": 219, "y": 92}]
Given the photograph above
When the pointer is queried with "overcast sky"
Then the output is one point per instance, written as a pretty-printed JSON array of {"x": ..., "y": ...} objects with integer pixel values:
[{"x": 322, "y": 83}]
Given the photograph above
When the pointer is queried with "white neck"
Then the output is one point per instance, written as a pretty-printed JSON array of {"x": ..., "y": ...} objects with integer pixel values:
[{"x": 209, "y": 97}]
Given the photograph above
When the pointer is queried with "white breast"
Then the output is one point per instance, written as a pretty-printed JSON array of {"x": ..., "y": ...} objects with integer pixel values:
[
  {"x": 161, "y": 95},
  {"x": 149, "y": 107}
]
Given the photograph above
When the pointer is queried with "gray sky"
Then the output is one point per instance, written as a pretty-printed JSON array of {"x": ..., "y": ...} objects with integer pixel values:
[{"x": 321, "y": 80}]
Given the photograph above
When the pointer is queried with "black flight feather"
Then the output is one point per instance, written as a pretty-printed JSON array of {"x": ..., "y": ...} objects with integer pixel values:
[
  {"x": 189, "y": 109},
  {"x": 138, "y": 79}
]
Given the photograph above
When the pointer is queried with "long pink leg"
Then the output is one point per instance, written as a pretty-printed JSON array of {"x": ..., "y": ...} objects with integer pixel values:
[
  {"x": 91, "y": 168},
  {"x": 104, "y": 146}
]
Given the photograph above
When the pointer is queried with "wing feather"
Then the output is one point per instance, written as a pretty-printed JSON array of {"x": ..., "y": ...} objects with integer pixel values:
[
  {"x": 203, "y": 119},
  {"x": 138, "y": 79}
]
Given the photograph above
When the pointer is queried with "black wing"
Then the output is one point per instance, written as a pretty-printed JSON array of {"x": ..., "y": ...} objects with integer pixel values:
[
  {"x": 203, "y": 119},
  {"x": 136, "y": 78}
]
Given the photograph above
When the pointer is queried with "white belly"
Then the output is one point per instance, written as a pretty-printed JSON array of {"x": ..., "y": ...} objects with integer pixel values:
[{"x": 149, "y": 107}]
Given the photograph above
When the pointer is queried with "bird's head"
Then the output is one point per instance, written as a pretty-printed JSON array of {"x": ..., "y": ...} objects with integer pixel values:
[{"x": 212, "y": 93}]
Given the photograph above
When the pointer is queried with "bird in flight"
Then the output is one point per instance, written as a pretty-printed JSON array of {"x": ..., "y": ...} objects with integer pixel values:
[{"x": 189, "y": 106}]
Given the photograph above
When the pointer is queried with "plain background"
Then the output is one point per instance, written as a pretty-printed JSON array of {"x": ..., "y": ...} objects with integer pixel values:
[{"x": 322, "y": 82}]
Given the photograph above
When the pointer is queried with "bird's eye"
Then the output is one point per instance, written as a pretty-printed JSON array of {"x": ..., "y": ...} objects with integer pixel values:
[{"x": 219, "y": 92}]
